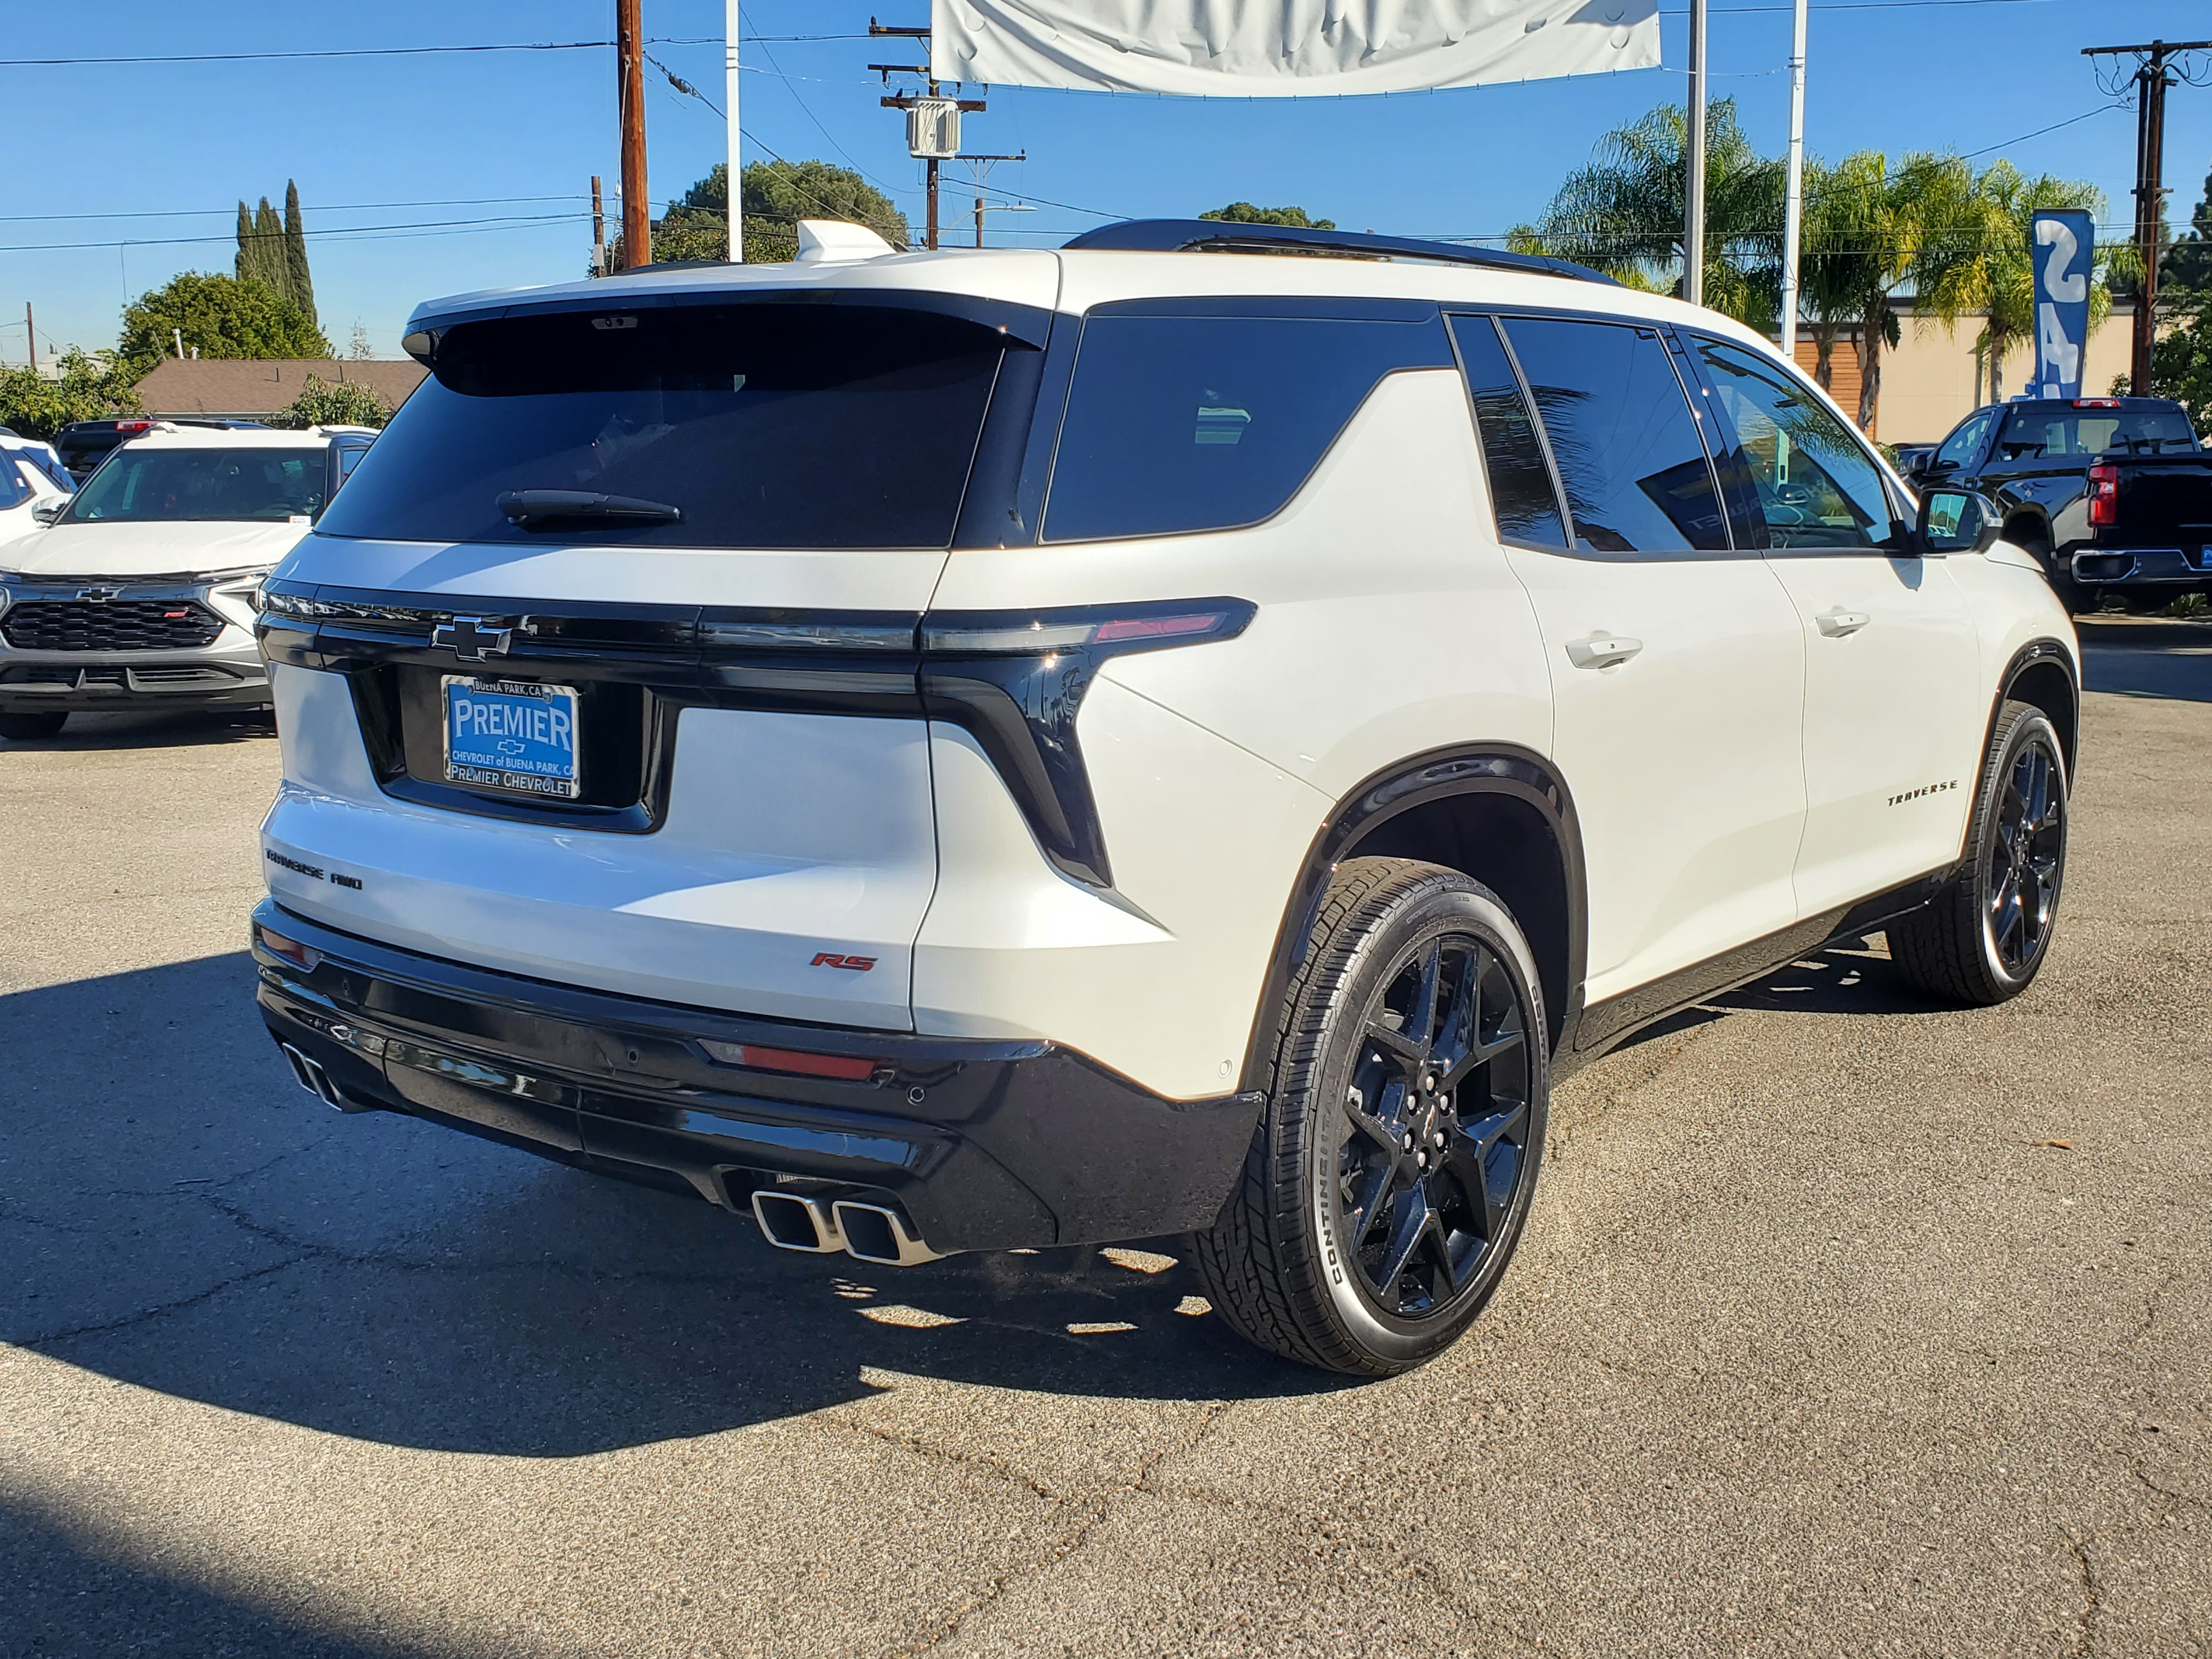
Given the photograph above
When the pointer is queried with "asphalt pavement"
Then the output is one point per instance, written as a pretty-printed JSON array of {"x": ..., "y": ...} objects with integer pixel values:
[{"x": 1844, "y": 1325}]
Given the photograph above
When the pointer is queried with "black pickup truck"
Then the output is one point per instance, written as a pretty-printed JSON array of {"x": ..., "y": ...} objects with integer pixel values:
[{"x": 2114, "y": 494}]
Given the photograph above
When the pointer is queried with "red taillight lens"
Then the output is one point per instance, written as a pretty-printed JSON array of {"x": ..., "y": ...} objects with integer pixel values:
[
  {"x": 1157, "y": 628},
  {"x": 134, "y": 426},
  {"x": 847, "y": 1068},
  {"x": 2104, "y": 495},
  {"x": 2096, "y": 402},
  {"x": 304, "y": 956}
]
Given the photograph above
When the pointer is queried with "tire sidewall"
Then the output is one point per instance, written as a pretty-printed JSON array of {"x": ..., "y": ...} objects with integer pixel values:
[
  {"x": 1449, "y": 906},
  {"x": 2030, "y": 726}
]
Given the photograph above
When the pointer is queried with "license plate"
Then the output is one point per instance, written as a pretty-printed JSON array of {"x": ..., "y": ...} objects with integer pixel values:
[{"x": 512, "y": 734}]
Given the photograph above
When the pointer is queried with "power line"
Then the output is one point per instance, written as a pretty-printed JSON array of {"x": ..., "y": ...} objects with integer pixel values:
[
  {"x": 348, "y": 52},
  {"x": 320, "y": 207},
  {"x": 355, "y": 232}
]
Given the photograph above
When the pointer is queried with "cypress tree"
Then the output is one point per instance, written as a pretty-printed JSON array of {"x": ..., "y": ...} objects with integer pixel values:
[
  {"x": 298, "y": 283},
  {"x": 269, "y": 249},
  {"x": 244, "y": 267}
]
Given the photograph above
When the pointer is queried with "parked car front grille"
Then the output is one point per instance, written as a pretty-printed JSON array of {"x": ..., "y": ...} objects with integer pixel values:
[{"x": 110, "y": 625}]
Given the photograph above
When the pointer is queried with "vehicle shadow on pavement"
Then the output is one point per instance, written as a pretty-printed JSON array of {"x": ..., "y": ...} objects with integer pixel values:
[
  {"x": 2148, "y": 658},
  {"x": 153, "y": 729},
  {"x": 1851, "y": 977},
  {"x": 68, "y": 1596},
  {"x": 180, "y": 1215}
]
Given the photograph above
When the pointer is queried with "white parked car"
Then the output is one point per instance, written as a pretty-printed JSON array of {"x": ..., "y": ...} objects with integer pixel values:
[
  {"x": 976, "y": 751},
  {"x": 31, "y": 476},
  {"x": 139, "y": 591}
]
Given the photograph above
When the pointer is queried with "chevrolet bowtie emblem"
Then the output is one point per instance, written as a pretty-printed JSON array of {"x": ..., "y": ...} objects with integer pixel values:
[
  {"x": 99, "y": 595},
  {"x": 471, "y": 640}
]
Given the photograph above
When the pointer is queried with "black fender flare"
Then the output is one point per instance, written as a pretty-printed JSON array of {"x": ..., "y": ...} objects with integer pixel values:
[{"x": 1497, "y": 768}]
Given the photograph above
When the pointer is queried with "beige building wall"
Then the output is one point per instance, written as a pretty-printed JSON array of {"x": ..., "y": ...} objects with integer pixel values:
[{"x": 1928, "y": 381}]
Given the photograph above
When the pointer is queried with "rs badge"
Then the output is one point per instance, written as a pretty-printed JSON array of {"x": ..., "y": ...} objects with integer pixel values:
[{"x": 832, "y": 959}]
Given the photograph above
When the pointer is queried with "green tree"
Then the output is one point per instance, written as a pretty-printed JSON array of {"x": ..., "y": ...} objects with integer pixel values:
[
  {"x": 325, "y": 403},
  {"x": 1865, "y": 229},
  {"x": 222, "y": 317},
  {"x": 1244, "y": 213},
  {"x": 299, "y": 285},
  {"x": 90, "y": 386},
  {"x": 1623, "y": 214},
  {"x": 776, "y": 196},
  {"x": 2189, "y": 261}
]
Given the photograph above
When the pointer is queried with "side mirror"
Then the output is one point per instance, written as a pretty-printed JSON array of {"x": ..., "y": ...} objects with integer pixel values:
[
  {"x": 50, "y": 511},
  {"x": 1958, "y": 521}
]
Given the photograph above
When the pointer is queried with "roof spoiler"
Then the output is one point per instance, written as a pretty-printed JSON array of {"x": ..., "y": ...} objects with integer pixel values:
[{"x": 1229, "y": 236}]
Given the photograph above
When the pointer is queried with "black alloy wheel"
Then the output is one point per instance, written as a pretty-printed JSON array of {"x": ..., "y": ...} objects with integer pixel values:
[
  {"x": 1392, "y": 1171},
  {"x": 2024, "y": 857},
  {"x": 1984, "y": 939},
  {"x": 1435, "y": 1128}
]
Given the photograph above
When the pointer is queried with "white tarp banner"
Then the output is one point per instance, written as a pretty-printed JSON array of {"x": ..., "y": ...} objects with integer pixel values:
[{"x": 1285, "y": 48}]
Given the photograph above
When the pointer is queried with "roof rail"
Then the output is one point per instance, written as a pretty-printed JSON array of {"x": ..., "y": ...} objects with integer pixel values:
[{"x": 1229, "y": 236}]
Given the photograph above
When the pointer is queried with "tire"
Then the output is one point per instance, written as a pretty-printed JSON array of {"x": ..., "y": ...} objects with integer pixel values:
[
  {"x": 27, "y": 728},
  {"x": 1983, "y": 939},
  {"x": 1383, "y": 1141}
]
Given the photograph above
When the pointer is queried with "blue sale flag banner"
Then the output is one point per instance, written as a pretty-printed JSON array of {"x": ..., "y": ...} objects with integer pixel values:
[{"x": 2064, "y": 247}]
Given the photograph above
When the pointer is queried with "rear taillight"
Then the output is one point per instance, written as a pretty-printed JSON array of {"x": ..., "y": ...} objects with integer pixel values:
[
  {"x": 2104, "y": 495},
  {"x": 2096, "y": 402},
  {"x": 134, "y": 426},
  {"x": 300, "y": 956}
]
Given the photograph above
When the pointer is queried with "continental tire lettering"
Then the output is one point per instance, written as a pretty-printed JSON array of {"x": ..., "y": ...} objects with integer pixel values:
[{"x": 1326, "y": 1223}]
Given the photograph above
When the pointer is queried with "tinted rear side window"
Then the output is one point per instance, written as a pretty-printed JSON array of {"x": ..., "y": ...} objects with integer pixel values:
[
  {"x": 1520, "y": 493},
  {"x": 1627, "y": 447},
  {"x": 2046, "y": 429},
  {"x": 1209, "y": 422},
  {"x": 765, "y": 425}
]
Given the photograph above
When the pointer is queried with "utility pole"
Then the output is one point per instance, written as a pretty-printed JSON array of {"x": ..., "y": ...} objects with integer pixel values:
[
  {"x": 1693, "y": 226},
  {"x": 1793, "y": 218},
  {"x": 906, "y": 101},
  {"x": 629, "y": 67},
  {"x": 980, "y": 165},
  {"x": 730, "y": 103},
  {"x": 2151, "y": 83},
  {"x": 599, "y": 231},
  {"x": 31, "y": 329}
]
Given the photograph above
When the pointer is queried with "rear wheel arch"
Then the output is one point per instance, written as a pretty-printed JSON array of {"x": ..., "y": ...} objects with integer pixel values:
[{"x": 1496, "y": 813}]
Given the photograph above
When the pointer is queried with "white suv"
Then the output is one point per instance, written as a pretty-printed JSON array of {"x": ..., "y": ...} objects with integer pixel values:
[
  {"x": 975, "y": 751},
  {"x": 140, "y": 592}
]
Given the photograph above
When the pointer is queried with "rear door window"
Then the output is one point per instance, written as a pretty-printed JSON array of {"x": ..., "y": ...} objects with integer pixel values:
[
  {"x": 764, "y": 425},
  {"x": 1521, "y": 495},
  {"x": 1627, "y": 448},
  {"x": 1213, "y": 421}
]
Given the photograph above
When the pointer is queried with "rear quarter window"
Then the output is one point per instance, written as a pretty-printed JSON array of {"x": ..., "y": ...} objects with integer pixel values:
[{"x": 1180, "y": 423}]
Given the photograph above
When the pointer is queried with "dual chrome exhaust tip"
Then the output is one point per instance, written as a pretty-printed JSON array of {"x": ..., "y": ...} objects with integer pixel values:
[
  {"x": 822, "y": 1226},
  {"x": 313, "y": 1078}
]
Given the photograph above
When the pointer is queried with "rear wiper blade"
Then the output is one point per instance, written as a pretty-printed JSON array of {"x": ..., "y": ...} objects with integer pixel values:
[{"x": 529, "y": 508}]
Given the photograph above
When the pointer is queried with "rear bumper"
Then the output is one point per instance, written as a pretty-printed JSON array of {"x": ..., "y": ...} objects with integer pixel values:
[
  {"x": 2141, "y": 567},
  {"x": 986, "y": 1145}
]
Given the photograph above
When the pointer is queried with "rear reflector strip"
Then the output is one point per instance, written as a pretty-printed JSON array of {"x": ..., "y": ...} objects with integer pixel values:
[{"x": 847, "y": 1068}]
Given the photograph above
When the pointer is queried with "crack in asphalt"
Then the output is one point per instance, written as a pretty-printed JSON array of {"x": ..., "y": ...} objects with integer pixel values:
[
  {"x": 2091, "y": 1601},
  {"x": 1093, "y": 1509},
  {"x": 158, "y": 1310}
]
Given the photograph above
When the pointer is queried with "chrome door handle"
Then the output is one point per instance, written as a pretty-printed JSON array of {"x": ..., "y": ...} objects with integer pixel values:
[
  {"x": 1602, "y": 650},
  {"x": 1837, "y": 624}
]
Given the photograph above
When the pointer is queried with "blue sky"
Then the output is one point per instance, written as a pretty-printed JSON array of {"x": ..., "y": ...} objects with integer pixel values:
[{"x": 427, "y": 174}]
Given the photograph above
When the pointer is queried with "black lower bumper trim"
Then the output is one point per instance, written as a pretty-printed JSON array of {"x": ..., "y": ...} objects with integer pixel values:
[{"x": 987, "y": 1145}]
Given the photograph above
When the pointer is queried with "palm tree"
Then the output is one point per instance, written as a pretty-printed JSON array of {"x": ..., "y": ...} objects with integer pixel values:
[
  {"x": 1623, "y": 214},
  {"x": 1864, "y": 228},
  {"x": 1976, "y": 254}
]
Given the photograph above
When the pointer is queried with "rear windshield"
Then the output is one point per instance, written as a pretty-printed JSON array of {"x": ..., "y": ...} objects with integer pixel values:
[
  {"x": 761, "y": 425},
  {"x": 2033, "y": 433},
  {"x": 139, "y": 486}
]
